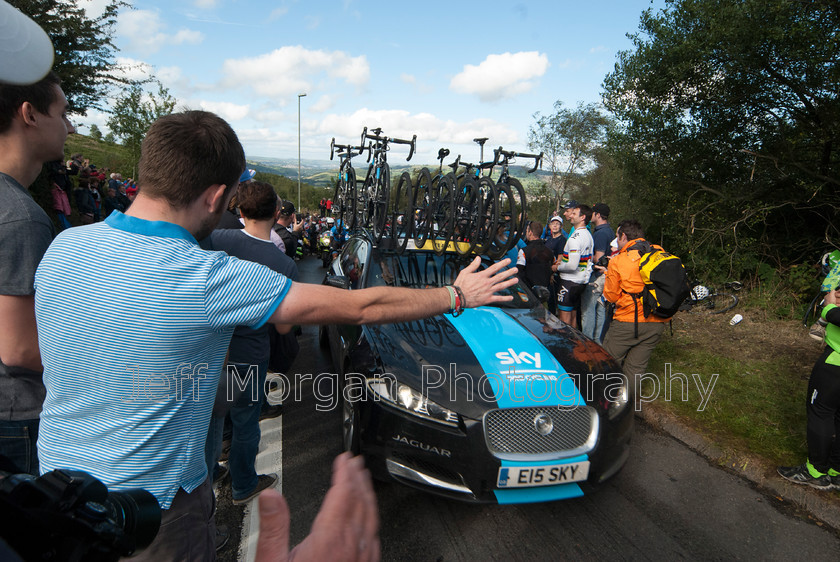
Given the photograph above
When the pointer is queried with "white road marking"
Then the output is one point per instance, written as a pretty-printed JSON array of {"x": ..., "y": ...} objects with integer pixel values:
[{"x": 269, "y": 459}]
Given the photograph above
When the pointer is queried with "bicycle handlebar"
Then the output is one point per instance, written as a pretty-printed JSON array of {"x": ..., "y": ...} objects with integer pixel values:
[
  {"x": 454, "y": 165},
  {"x": 510, "y": 155},
  {"x": 344, "y": 149},
  {"x": 376, "y": 135}
]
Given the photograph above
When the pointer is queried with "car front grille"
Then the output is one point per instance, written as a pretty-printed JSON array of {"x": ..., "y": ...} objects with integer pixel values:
[{"x": 512, "y": 434}]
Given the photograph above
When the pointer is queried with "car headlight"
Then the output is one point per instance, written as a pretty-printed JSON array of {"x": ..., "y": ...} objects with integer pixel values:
[
  {"x": 617, "y": 395},
  {"x": 409, "y": 400}
]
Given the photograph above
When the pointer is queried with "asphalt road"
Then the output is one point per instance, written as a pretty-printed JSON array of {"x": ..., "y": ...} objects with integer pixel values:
[{"x": 667, "y": 503}]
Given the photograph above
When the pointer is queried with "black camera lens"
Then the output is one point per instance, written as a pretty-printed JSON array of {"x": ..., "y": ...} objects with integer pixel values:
[{"x": 137, "y": 512}]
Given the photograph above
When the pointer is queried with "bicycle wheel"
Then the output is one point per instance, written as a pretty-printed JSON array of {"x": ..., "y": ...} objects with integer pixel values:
[
  {"x": 715, "y": 303},
  {"x": 379, "y": 196},
  {"x": 466, "y": 217},
  {"x": 344, "y": 193},
  {"x": 488, "y": 215},
  {"x": 351, "y": 204},
  {"x": 401, "y": 220},
  {"x": 444, "y": 213},
  {"x": 520, "y": 206},
  {"x": 422, "y": 206},
  {"x": 504, "y": 239}
]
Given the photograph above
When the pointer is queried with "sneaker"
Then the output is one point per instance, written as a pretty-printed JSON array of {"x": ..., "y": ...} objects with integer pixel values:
[
  {"x": 801, "y": 475},
  {"x": 817, "y": 331},
  {"x": 264, "y": 481},
  {"x": 222, "y": 537},
  {"x": 269, "y": 412},
  {"x": 220, "y": 473},
  {"x": 834, "y": 476}
]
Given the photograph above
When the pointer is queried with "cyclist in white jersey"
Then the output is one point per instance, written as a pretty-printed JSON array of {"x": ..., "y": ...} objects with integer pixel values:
[{"x": 574, "y": 265}]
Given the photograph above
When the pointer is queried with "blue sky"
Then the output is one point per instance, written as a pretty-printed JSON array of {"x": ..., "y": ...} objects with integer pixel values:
[{"x": 445, "y": 71}]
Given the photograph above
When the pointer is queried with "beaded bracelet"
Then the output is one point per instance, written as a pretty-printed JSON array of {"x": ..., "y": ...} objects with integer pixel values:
[
  {"x": 456, "y": 305},
  {"x": 461, "y": 296}
]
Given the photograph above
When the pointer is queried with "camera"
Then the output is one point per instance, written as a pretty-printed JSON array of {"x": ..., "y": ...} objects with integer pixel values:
[
  {"x": 603, "y": 261},
  {"x": 70, "y": 515}
]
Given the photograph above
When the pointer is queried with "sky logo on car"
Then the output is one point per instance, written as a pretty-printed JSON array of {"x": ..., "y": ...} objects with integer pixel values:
[{"x": 519, "y": 368}]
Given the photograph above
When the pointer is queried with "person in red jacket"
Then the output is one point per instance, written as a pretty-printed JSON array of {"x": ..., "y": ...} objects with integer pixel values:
[{"x": 632, "y": 336}]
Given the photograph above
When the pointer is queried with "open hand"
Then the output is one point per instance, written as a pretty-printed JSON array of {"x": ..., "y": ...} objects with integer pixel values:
[{"x": 479, "y": 287}]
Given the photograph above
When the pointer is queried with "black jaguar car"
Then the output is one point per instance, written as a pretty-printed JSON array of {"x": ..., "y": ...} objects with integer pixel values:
[{"x": 501, "y": 404}]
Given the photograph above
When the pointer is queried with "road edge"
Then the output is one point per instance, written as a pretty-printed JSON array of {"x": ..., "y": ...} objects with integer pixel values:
[{"x": 823, "y": 506}]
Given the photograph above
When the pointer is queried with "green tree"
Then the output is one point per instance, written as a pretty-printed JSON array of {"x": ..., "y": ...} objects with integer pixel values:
[
  {"x": 95, "y": 133},
  {"x": 133, "y": 113},
  {"x": 109, "y": 138},
  {"x": 729, "y": 117},
  {"x": 568, "y": 139},
  {"x": 84, "y": 52}
]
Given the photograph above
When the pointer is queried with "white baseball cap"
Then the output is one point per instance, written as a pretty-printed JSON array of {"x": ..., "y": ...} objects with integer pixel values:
[{"x": 26, "y": 52}]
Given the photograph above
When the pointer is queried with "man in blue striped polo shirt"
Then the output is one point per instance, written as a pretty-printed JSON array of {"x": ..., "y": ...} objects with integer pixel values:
[{"x": 136, "y": 414}]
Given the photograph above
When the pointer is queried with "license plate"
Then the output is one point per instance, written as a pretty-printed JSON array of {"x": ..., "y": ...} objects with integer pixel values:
[{"x": 545, "y": 475}]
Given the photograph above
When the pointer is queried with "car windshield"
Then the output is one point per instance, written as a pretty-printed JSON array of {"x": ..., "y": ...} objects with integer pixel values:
[{"x": 418, "y": 269}]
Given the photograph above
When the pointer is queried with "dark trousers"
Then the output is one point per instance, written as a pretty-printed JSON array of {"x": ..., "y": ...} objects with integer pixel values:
[
  {"x": 824, "y": 415},
  {"x": 632, "y": 352},
  {"x": 18, "y": 443},
  {"x": 187, "y": 529}
]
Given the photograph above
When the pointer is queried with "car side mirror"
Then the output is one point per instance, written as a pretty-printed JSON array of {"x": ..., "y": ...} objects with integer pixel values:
[
  {"x": 337, "y": 281},
  {"x": 541, "y": 292}
]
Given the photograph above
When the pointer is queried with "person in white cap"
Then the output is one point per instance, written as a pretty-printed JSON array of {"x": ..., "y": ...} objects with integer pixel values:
[{"x": 26, "y": 52}]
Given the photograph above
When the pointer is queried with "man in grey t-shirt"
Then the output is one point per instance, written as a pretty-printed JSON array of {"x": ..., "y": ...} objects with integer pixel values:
[{"x": 33, "y": 128}]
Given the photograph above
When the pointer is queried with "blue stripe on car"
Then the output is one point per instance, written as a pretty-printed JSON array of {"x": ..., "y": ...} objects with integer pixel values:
[
  {"x": 519, "y": 368},
  {"x": 540, "y": 493}
]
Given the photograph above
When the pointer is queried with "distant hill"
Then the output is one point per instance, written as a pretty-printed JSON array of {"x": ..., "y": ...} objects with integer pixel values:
[{"x": 321, "y": 173}]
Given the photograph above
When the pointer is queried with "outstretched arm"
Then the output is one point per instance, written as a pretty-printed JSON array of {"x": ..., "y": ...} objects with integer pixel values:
[{"x": 318, "y": 304}]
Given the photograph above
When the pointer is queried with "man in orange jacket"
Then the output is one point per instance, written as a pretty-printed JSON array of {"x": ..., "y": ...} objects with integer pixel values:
[{"x": 631, "y": 337}]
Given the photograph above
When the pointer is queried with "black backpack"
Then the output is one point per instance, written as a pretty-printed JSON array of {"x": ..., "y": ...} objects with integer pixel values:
[{"x": 666, "y": 282}]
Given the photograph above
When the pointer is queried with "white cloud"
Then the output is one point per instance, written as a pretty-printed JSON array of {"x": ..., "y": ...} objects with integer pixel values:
[
  {"x": 278, "y": 13},
  {"x": 206, "y": 4},
  {"x": 322, "y": 104},
  {"x": 408, "y": 78},
  {"x": 133, "y": 69},
  {"x": 501, "y": 76},
  {"x": 145, "y": 31},
  {"x": 226, "y": 110},
  {"x": 288, "y": 71},
  {"x": 598, "y": 49},
  {"x": 432, "y": 132},
  {"x": 94, "y": 8}
]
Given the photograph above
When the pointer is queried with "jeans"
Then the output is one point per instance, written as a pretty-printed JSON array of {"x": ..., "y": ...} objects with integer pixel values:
[
  {"x": 245, "y": 440},
  {"x": 18, "y": 443},
  {"x": 593, "y": 312},
  {"x": 63, "y": 223}
]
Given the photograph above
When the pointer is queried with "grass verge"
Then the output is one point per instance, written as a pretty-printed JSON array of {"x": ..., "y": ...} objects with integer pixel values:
[{"x": 759, "y": 370}]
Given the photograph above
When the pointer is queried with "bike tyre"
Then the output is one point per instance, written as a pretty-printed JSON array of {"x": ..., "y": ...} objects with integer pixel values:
[
  {"x": 488, "y": 214},
  {"x": 403, "y": 200},
  {"x": 520, "y": 206},
  {"x": 467, "y": 216},
  {"x": 422, "y": 205},
  {"x": 715, "y": 303},
  {"x": 379, "y": 204},
  {"x": 445, "y": 198},
  {"x": 506, "y": 206}
]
